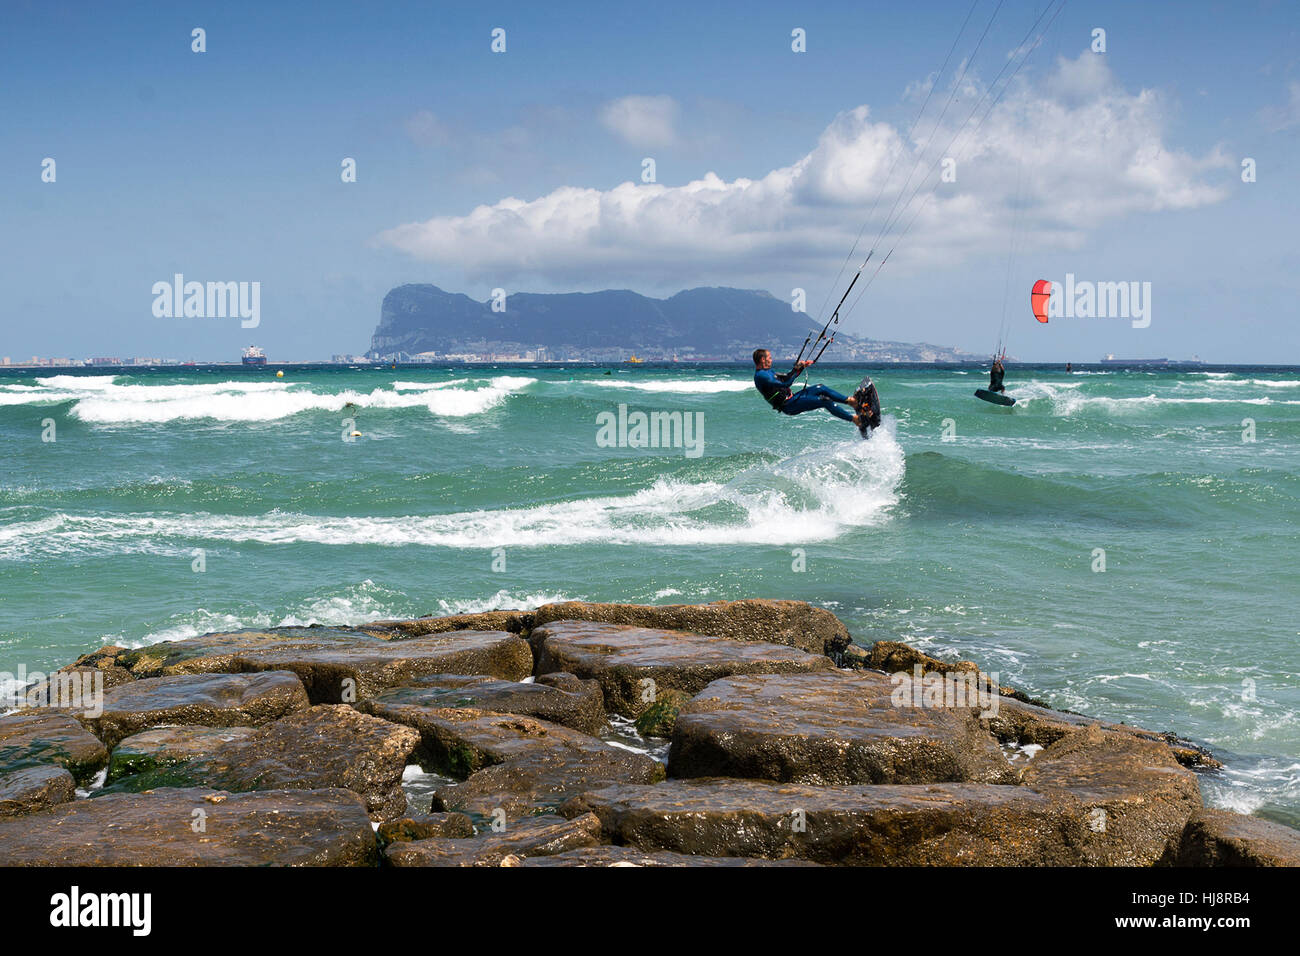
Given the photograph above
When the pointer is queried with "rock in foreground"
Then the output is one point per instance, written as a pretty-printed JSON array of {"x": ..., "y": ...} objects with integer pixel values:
[
  {"x": 1222, "y": 838},
  {"x": 631, "y": 856},
  {"x": 539, "y": 836},
  {"x": 208, "y": 700},
  {"x": 836, "y": 728},
  {"x": 324, "y": 747},
  {"x": 540, "y": 781},
  {"x": 633, "y": 664},
  {"x": 337, "y": 665},
  {"x": 34, "y": 788},
  {"x": 558, "y": 698},
  {"x": 793, "y": 623},
  {"x": 195, "y": 827},
  {"x": 34, "y": 738}
]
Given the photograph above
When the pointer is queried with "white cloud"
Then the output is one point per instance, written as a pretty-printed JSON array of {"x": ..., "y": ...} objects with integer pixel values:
[
  {"x": 641, "y": 120},
  {"x": 1073, "y": 152}
]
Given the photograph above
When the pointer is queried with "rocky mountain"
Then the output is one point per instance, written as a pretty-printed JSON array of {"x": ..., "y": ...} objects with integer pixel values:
[{"x": 706, "y": 323}]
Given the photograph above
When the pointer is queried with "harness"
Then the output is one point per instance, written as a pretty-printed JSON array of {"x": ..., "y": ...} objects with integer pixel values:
[{"x": 779, "y": 398}]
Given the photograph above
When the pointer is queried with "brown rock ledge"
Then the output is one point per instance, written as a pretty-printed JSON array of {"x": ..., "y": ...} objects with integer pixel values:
[{"x": 273, "y": 828}]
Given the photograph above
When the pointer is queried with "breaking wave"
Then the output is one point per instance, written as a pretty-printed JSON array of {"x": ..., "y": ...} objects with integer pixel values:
[
  {"x": 814, "y": 496},
  {"x": 98, "y": 400},
  {"x": 680, "y": 386}
]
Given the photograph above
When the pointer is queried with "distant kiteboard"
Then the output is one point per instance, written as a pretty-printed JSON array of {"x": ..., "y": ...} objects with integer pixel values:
[
  {"x": 866, "y": 390},
  {"x": 995, "y": 398}
]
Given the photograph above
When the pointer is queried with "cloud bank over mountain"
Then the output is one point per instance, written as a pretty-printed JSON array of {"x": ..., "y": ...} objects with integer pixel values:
[{"x": 1066, "y": 153}]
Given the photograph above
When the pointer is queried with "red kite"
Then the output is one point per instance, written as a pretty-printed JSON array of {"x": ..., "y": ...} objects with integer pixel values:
[{"x": 1039, "y": 297}]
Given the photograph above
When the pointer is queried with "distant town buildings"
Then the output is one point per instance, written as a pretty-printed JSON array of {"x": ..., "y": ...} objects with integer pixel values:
[
  {"x": 497, "y": 353},
  {"x": 98, "y": 361}
]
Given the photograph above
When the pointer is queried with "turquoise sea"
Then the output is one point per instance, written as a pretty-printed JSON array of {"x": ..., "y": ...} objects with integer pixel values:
[{"x": 172, "y": 502}]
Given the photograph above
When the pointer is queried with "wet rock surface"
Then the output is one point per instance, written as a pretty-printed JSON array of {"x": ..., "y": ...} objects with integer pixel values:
[
  {"x": 538, "y": 836},
  {"x": 460, "y": 741},
  {"x": 1222, "y": 838},
  {"x": 631, "y": 856},
  {"x": 289, "y": 746},
  {"x": 836, "y": 728},
  {"x": 793, "y": 623},
  {"x": 34, "y": 788},
  {"x": 1027, "y": 723},
  {"x": 1133, "y": 794},
  {"x": 540, "y": 782},
  {"x": 34, "y": 738},
  {"x": 559, "y": 698},
  {"x": 336, "y": 665},
  {"x": 195, "y": 827},
  {"x": 165, "y": 747},
  {"x": 209, "y": 700},
  {"x": 864, "y": 825},
  {"x": 633, "y": 664},
  {"x": 513, "y": 622},
  {"x": 425, "y": 826},
  {"x": 327, "y": 746}
]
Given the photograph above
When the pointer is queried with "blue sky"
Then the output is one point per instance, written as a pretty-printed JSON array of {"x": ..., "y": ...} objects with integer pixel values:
[{"x": 224, "y": 165}]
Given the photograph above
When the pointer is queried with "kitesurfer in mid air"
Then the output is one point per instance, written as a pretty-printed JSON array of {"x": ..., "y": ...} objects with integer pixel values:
[
  {"x": 995, "y": 375},
  {"x": 775, "y": 388}
]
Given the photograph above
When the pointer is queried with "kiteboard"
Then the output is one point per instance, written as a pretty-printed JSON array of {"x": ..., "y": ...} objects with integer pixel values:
[
  {"x": 866, "y": 391},
  {"x": 995, "y": 398}
]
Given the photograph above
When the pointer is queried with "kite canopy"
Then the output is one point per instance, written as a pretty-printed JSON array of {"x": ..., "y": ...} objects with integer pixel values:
[{"x": 1038, "y": 299}]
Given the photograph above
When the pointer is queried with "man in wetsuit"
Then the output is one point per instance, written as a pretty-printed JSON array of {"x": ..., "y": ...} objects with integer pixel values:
[
  {"x": 775, "y": 388},
  {"x": 995, "y": 376}
]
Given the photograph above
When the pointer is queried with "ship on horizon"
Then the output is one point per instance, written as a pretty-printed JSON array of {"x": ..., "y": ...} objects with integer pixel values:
[
  {"x": 1111, "y": 360},
  {"x": 254, "y": 356}
]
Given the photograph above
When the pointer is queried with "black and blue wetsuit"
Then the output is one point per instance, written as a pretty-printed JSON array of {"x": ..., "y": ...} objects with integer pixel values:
[{"x": 775, "y": 388}]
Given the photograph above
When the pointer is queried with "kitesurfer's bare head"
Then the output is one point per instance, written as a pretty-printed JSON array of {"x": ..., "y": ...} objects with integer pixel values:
[{"x": 762, "y": 358}]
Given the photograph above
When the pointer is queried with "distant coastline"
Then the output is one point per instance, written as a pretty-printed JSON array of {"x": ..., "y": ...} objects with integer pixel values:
[{"x": 125, "y": 367}]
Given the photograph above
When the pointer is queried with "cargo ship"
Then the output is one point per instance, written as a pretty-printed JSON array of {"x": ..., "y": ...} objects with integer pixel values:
[
  {"x": 254, "y": 356},
  {"x": 1111, "y": 360}
]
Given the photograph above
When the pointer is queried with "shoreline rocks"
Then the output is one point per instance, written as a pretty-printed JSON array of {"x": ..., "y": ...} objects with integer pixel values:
[
  {"x": 195, "y": 827},
  {"x": 838, "y": 728},
  {"x": 33, "y": 738},
  {"x": 335, "y": 665},
  {"x": 323, "y": 747},
  {"x": 207, "y": 700},
  {"x": 789, "y": 746},
  {"x": 634, "y": 664}
]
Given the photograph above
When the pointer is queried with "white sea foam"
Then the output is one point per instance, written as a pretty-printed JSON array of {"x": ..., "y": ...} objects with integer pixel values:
[
  {"x": 814, "y": 496},
  {"x": 355, "y": 605},
  {"x": 77, "y": 381},
  {"x": 1065, "y": 402},
  {"x": 503, "y": 600},
  {"x": 104, "y": 402},
  {"x": 417, "y": 386},
  {"x": 702, "y": 386}
]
